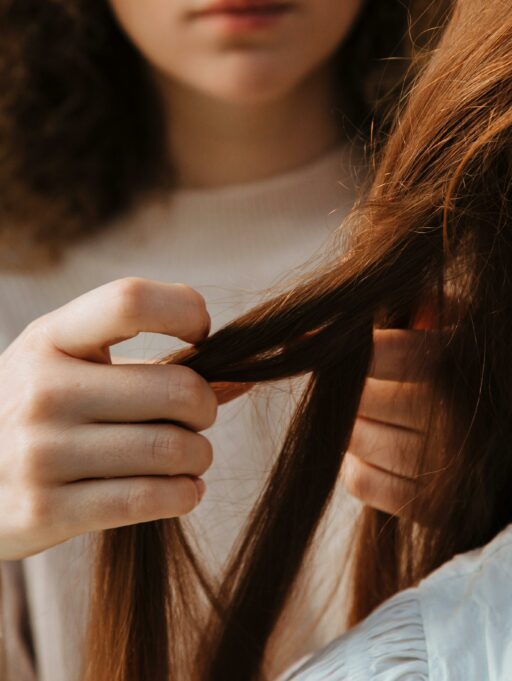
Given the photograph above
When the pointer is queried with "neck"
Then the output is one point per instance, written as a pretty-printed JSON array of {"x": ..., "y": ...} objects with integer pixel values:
[{"x": 252, "y": 141}]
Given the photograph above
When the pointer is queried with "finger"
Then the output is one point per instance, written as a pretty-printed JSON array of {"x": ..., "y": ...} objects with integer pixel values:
[
  {"x": 395, "y": 450},
  {"x": 134, "y": 392},
  {"x": 407, "y": 405},
  {"x": 227, "y": 392},
  {"x": 104, "y": 504},
  {"x": 100, "y": 451},
  {"x": 377, "y": 488},
  {"x": 404, "y": 355},
  {"x": 120, "y": 310}
]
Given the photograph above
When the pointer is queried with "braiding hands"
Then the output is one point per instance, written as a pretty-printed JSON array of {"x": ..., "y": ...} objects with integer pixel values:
[
  {"x": 382, "y": 462},
  {"x": 88, "y": 444}
]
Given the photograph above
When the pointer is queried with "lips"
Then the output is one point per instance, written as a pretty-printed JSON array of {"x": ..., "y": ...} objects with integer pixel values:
[{"x": 243, "y": 7}]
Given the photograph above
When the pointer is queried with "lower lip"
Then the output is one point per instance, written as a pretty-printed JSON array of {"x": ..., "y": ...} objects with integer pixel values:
[{"x": 239, "y": 22}]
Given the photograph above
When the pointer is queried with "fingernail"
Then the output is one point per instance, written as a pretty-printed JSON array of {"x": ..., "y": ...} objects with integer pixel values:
[{"x": 201, "y": 488}]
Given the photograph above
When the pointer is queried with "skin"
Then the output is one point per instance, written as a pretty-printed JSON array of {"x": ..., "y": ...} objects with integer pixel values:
[
  {"x": 380, "y": 467},
  {"x": 79, "y": 450},
  {"x": 83, "y": 457},
  {"x": 236, "y": 97}
]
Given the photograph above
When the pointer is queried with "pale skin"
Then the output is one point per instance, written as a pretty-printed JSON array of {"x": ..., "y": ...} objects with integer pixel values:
[
  {"x": 79, "y": 449},
  {"x": 380, "y": 466}
]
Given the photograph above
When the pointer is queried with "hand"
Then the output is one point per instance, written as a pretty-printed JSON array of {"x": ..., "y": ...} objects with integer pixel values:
[
  {"x": 381, "y": 465},
  {"x": 80, "y": 450}
]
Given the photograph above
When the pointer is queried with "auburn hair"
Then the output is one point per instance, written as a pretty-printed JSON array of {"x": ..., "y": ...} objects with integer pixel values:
[
  {"x": 81, "y": 124},
  {"x": 433, "y": 229}
]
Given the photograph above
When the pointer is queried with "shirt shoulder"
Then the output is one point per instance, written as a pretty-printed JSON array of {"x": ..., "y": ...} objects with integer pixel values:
[
  {"x": 455, "y": 626},
  {"x": 466, "y": 608}
]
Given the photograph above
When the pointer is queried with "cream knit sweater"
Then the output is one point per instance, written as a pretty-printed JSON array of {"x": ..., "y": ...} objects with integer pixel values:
[{"x": 230, "y": 244}]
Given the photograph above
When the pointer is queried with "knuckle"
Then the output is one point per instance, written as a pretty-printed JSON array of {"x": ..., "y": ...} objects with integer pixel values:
[
  {"x": 33, "y": 460},
  {"x": 36, "y": 335},
  {"x": 35, "y": 510},
  {"x": 34, "y": 328},
  {"x": 188, "y": 389},
  {"x": 181, "y": 451},
  {"x": 165, "y": 442},
  {"x": 358, "y": 437},
  {"x": 129, "y": 296},
  {"x": 184, "y": 386},
  {"x": 38, "y": 400},
  {"x": 193, "y": 298},
  {"x": 205, "y": 452},
  {"x": 195, "y": 308},
  {"x": 140, "y": 500},
  {"x": 388, "y": 493},
  {"x": 187, "y": 496},
  {"x": 356, "y": 479},
  {"x": 370, "y": 444},
  {"x": 154, "y": 499}
]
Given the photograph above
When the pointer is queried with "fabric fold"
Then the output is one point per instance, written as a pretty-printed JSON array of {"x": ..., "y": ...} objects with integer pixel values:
[{"x": 388, "y": 646}]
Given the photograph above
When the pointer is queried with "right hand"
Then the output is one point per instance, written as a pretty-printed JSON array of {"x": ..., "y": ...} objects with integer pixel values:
[{"x": 78, "y": 450}]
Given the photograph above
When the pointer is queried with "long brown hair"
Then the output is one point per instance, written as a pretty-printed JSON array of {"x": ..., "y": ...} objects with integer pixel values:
[
  {"x": 435, "y": 226},
  {"x": 81, "y": 126}
]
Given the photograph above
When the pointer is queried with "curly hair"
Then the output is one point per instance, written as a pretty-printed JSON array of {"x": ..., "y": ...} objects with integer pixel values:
[{"x": 81, "y": 125}]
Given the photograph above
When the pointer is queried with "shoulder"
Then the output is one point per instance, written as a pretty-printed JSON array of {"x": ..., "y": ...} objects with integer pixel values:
[
  {"x": 455, "y": 626},
  {"x": 388, "y": 646},
  {"x": 466, "y": 608}
]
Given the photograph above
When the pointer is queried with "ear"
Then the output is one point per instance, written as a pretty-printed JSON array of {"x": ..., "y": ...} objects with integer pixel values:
[{"x": 227, "y": 392}]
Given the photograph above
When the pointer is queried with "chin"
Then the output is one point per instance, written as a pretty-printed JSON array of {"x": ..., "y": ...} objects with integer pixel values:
[
  {"x": 247, "y": 84},
  {"x": 246, "y": 95}
]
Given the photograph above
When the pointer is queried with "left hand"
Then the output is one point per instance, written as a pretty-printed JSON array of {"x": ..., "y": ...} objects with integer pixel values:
[{"x": 382, "y": 462}]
